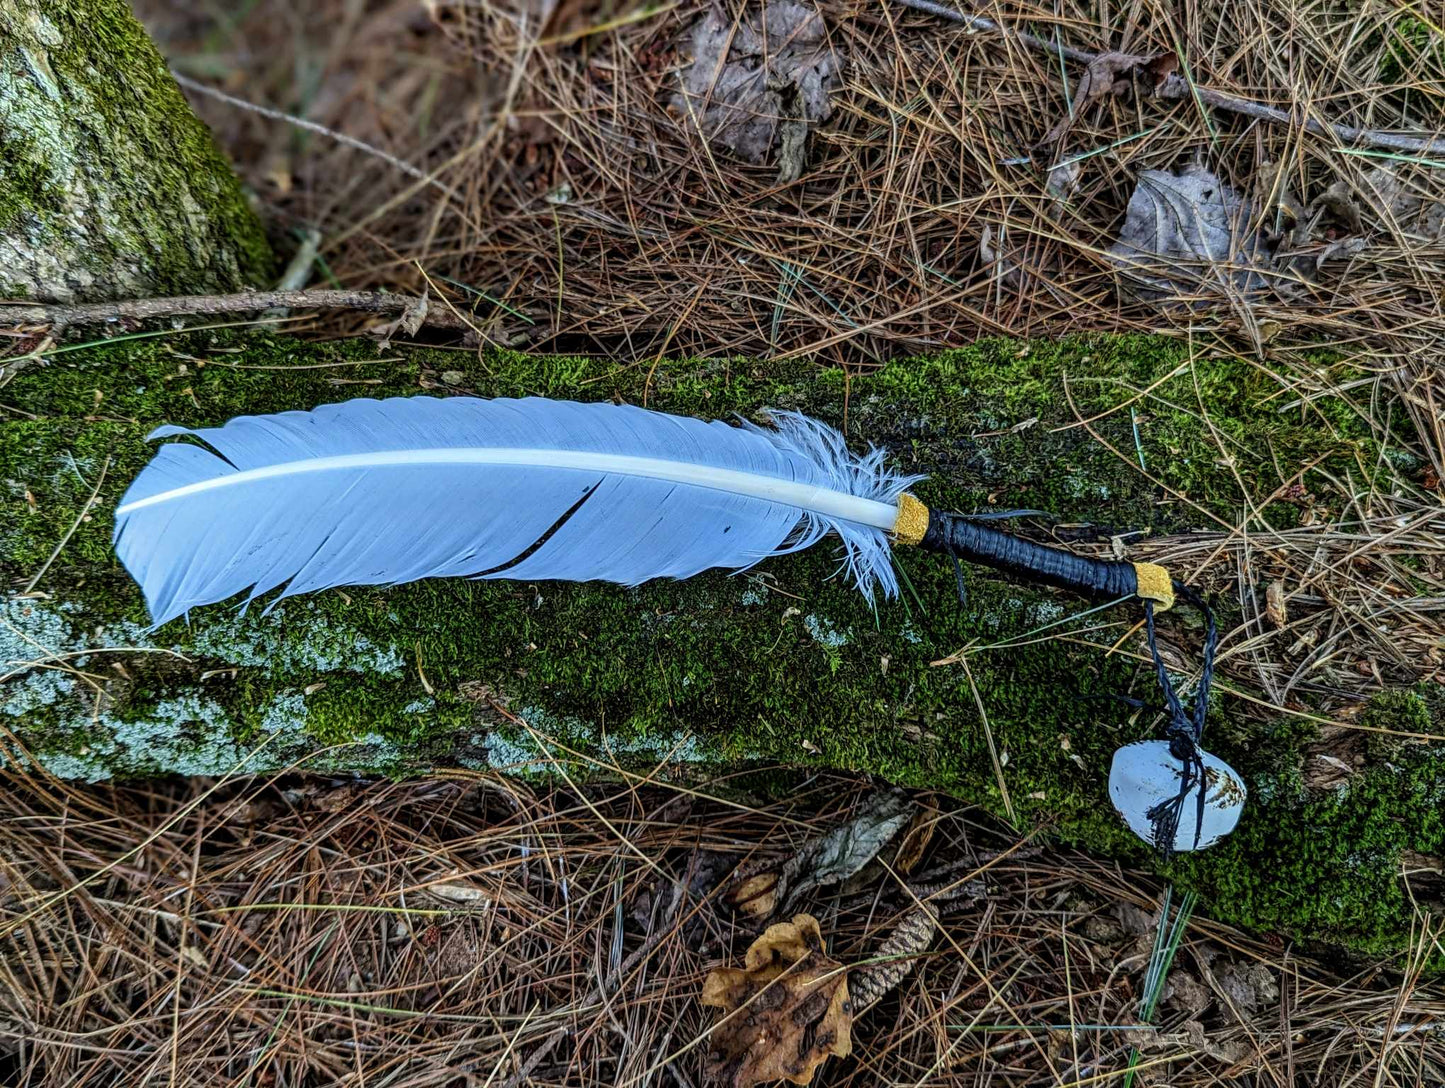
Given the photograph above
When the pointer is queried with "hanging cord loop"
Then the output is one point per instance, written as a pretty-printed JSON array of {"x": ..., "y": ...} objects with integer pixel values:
[
  {"x": 965, "y": 537},
  {"x": 1185, "y": 731}
]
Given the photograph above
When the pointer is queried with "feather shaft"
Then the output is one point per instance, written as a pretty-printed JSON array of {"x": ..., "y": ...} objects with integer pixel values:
[{"x": 824, "y": 502}]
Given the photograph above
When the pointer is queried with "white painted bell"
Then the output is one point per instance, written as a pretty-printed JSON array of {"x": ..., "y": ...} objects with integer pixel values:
[{"x": 1145, "y": 774}]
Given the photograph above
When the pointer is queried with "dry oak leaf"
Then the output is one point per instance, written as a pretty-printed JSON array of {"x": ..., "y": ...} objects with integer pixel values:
[
  {"x": 787, "y": 1009},
  {"x": 1113, "y": 74},
  {"x": 753, "y": 892}
]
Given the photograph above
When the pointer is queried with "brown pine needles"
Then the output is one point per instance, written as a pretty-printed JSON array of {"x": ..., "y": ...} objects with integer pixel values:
[{"x": 474, "y": 930}]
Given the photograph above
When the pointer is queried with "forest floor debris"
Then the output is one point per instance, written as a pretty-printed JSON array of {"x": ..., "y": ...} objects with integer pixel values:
[{"x": 473, "y": 928}]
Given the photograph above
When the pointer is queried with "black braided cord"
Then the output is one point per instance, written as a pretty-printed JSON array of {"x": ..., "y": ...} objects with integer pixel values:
[
  {"x": 1185, "y": 731},
  {"x": 962, "y": 537}
]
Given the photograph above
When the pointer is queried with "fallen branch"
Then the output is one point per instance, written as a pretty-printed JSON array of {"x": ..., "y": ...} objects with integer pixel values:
[
  {"x": 412, "y": 313},
  {"x": 1175, "y": 86},
  {"x": 61, "y": 317}
]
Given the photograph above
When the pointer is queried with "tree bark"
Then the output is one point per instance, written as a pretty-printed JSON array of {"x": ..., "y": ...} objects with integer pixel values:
[{"x": 110, "y": 187}]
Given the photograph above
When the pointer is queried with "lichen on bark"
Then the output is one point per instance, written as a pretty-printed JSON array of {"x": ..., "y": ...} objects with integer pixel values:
[
  {"x": 784, "y": 664},
  {"x": 110, "y": 187}
]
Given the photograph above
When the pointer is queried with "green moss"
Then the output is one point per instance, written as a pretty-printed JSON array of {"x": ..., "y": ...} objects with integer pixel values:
[
  {"x": 784, "y": 664},
  {"x": 1414, "y": 52},
  {"x": 1393, "y": 713},
  {"x": 109, "y": 184}
]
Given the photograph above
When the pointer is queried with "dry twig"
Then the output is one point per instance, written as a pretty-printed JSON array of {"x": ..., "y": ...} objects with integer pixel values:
[{"x": 59, "y": 317}]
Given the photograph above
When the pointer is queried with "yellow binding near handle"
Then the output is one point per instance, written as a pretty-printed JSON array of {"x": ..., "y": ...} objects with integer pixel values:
[
  {"x": 1152, "y": 581},
  {"x": 912, "y": 523},
  {"x": 1155, "y": 585}
]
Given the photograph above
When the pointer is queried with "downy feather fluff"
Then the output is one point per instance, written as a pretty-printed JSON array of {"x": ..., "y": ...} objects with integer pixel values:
[{"x": 371, "y": 492}]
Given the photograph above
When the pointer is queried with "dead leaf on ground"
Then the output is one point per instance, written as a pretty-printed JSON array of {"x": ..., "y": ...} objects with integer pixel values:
[
  {"x": 840, "y": 853},
  {"x": 408, "y": 322},
  {"x": 1193, "y": 1037},
  {"x": 763, "y": 889},
  {"x": 1380, "y": 200},
  {"x": 786, "y": 1010},
  {"x": 463, "y": 892},
  {"x": 1135, "y": 922},
  {"x": 1340, "y": 250},
  {"x": 1229, "y": 1051},
  {"x": 1113, "y": 74},
  {"x": 333, "y": 799},
  {"x": 1063, "y": 180},
  {"x": 1276, "y": 197},
  {"x": 1189, "y": 236},
  {"x": 759, "y": 83},
  {"x": 1359, "y": 204},
  {"x": 1276, "y": 609},
  {"x": 1185, "y": 992},
  {"x": 754, "y": 892},
  {"x": 914, "y": 841},
  {"x": 1339, "y": 201},
  {"x": 1251, "y": 986},
  {"x": 1399, "y": 210}
]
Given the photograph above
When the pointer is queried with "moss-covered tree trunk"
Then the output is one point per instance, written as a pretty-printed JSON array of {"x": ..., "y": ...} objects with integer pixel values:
[
  {"x": 110, "y": 187},
  {"x": 782, "y": 665}
]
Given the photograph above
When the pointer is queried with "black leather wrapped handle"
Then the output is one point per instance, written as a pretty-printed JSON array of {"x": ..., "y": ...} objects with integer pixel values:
[{"x": 976, "y": 542}]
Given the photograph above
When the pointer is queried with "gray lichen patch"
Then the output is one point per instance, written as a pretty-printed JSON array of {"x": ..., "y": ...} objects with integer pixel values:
[
  {"x": 82, "y": 717},
  {"x": 260, "y": 637}
]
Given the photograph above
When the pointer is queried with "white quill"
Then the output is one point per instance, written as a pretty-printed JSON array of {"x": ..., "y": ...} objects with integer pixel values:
[{"x": 371, "y": 492}]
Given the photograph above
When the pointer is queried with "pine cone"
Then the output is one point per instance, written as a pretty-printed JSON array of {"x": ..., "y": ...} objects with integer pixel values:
[{"x": 911, "y": 937}]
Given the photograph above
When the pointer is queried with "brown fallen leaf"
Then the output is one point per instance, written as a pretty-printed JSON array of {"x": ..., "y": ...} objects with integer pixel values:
[
  {"x": 1339, "y": 201},
  {"x": 915, "y": 839},
  {"x": 1285, "y": 217},
  {"x": 754, "y": 893},
  {"x": 408, "y": 322},
  {"x": 1397, "y": 207},
  {"x": 1112, "y": 74},
  {"x": 787, "y": 1009},
  {"x": 760, "y": 81},
  {"x": 1275, "y": 606}
]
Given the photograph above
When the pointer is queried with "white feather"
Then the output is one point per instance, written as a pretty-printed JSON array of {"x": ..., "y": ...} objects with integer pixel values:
[{"x": 380, "y": 492}]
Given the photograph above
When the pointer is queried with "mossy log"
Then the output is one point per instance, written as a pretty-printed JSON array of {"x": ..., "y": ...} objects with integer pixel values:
[
  {"x": 782, "y": 665},
  {"x": 110, "y": 187}
]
